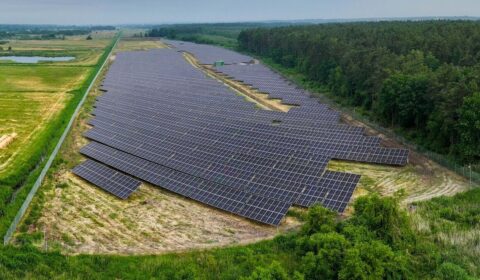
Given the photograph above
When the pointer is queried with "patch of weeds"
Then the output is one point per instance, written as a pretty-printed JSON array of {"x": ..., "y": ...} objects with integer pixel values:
[
  {"x": 61, "y": 185},
  {"x": 67, "y": 239},
  {"x": 28, "y": 238},
  {"x": 298, "y": 214},
  {"x": 367, "y": 182}
]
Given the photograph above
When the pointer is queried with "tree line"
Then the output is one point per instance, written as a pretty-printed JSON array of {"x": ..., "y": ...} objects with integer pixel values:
[
  {"x": 418, "y": 77},
  {"x": 46, "y": 32},
  {"x": 222, "y": 34}
]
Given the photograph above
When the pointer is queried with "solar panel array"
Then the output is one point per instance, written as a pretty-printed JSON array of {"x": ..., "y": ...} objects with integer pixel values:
[
  {"x": 262, "y": 78},
  {"x": 206, "y": 55},
  {"x": 107, "y": 178},
  {"x": 165, "y": 122}
]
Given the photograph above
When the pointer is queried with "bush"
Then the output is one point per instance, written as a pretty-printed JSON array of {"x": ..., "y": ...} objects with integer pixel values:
[
  {"x": 383, "y": 217},
  {"x": 319, "y": 219},
  {"x": 273, "y": 272},
  {"x": 450, "y": 271}
]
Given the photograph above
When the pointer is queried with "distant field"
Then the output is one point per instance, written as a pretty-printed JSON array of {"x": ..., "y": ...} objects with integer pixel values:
[
  {"x": 138, "y": 44},
  {"x": 33, "y": 103},
  {"x": 86, "y": 52}
]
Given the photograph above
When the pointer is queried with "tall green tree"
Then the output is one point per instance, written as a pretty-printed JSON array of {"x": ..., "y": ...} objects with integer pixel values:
[{"x": 469, "y": 128}]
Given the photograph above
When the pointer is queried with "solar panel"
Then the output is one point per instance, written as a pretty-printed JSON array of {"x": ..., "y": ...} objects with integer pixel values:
[
  {"x": 335, "y": 192},
  {"x": 270, "y": 211},
  {"x": 167, "y": 123},
  {"x": 107, "y": 178}
]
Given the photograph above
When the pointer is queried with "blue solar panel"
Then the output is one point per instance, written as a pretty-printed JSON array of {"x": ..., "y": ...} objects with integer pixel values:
[{"x": 165, "y": 122}]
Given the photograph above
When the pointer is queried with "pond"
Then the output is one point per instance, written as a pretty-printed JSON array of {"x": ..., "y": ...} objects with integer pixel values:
[{"x": 36, "y": 59}]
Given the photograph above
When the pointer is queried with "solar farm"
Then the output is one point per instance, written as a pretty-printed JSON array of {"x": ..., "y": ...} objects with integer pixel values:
[
  {"x": 284, "y": 149},
  {"x": 163, "y": 121}
]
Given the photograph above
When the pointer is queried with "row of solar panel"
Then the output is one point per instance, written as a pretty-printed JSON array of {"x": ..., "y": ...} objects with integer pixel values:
[
  {"x": 224, "y": 142},
  {"x": 252, "y": 116},
  {"x": 265, "y": 80},
  {"x": 107, "y": 178},
  {"x": 165, "y": 122},
  {"x": 223, "y": 105},
  {"x": 239, "y": 202},
  {"x": 206, "y": 55},
  {"x": 236, "y": 172},
  {"x": 166, "y": 119},
  {"x": 333, "y": 148}
]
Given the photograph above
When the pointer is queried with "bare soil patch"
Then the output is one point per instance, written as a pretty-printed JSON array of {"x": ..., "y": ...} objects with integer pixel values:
[{"x": 7, "y": 139}]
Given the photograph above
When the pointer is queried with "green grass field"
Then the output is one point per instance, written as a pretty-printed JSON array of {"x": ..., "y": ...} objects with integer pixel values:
[{"x": 36, "y": 101}]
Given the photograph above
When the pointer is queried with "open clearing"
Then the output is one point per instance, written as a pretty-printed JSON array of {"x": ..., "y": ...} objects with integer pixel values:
[
  {"x": 77, "y": 217},
  {"x": 418, "y": 181},
  {"x": 421, "y": 179}
]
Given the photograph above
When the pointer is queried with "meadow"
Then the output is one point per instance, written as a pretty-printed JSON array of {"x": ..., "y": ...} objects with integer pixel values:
[{"x": 36, "y": 101}]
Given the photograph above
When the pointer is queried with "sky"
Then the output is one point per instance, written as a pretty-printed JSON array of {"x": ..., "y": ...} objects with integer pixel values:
[{"x": 86, "y": 12}]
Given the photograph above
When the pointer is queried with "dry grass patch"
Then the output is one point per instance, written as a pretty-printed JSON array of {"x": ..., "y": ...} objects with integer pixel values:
[
  {"x": 419, "y": 182},
  {"x": 139, "y": 44},
  {"x": 150, "y": 221}
]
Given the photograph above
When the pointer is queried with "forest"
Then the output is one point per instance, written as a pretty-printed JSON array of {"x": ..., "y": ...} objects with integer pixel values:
[
  {"x": 418, "y": 78},
  {"x": 222, "y": 34}
]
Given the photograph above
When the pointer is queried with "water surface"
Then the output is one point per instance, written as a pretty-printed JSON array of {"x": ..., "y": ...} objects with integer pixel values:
[{"x": 36, "y": 59}]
